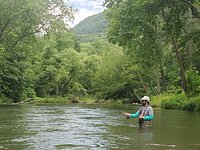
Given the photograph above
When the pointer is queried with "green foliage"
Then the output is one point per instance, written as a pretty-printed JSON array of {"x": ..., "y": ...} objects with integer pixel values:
[
  {"x": 158, "y": 99},
  {"x": 12, "y": 78},
  {"x": 174, "y": 102},
  {"x": 65, "y": 71},
  {"x": 20, "y": 21},
  {"x": 87, "y": 38},
  {"x": 52, "y": 100},
  {"x": 114, "y": 78},
  {"x": 189, "y": 105},
  {"x": 197, "y": 102},
  {"x": 3, "y": 100},
  {"x": 58, "y": 71},
  {"x": 193, "y": 104},
  {"x": 193, "y": 79},
  {"x": 148, "y": 29}
]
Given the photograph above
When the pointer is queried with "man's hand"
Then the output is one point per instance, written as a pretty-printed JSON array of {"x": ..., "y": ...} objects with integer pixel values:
[
  {"x": 141, "y": 117},
  {"x": 127, "y": 115}
]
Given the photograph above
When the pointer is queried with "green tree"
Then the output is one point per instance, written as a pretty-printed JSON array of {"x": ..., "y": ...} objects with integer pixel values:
[
  {"x": 19, "y": 23},
  {"x": 149, "y": 28}
]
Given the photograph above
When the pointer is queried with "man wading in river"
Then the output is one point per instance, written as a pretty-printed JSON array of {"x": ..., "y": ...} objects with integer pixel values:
[{"x": 145, "y": 113}]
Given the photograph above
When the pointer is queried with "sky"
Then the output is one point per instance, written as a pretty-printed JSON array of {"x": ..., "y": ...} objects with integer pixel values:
[{"x": 85, "y": 8}]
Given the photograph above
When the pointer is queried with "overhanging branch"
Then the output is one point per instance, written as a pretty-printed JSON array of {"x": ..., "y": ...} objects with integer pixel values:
[{"x": 195, "y": 11}]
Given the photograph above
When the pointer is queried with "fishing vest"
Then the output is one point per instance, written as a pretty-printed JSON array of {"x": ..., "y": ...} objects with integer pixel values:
[{"x": 144, "y": 112}]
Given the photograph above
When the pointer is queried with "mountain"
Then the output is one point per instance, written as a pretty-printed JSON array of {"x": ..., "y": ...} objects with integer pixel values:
[{"x": 95, "y": 24}]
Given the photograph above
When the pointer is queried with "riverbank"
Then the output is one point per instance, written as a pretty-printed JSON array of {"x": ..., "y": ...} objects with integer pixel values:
[
  {"x": 164, "y": 101},
  {"x": 177, "y": 102}
]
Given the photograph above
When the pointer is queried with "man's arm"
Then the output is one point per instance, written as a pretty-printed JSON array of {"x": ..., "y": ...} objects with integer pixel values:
[
  {"x": 134, "y": 115},
  {"x": 129, "y": 115},
  {"x": 148, "y": 118}
]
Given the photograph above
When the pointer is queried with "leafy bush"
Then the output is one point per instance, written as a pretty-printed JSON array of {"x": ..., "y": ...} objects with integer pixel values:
[
  {"x": 197, "y": 102},
  {"x": 193, "y": 82},
  {"x": 3, "y": 99},
  {"x": 189, "y": 105},
  {"x": 193, "y": 104},
  {"x": 174, "y": 101},
  {"x": 157, "y": 100},
  {"x": 58, "y": 100},
  {"x": 170, "y": 104},
  {"x": 27, "y": 93}
]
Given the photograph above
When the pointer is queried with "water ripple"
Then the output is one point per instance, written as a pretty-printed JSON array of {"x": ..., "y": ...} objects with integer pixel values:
[{"x": 66, "y": 127}]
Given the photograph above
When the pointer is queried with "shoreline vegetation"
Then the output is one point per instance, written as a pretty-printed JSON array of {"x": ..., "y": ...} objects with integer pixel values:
[{"x": 164, "y": 101}]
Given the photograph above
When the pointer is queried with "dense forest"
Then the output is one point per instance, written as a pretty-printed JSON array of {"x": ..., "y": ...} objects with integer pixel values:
[{"x": 132, "y": 49}]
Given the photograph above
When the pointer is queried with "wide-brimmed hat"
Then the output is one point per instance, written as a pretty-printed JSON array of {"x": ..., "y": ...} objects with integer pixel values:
[{"x": 146, "y": 98}]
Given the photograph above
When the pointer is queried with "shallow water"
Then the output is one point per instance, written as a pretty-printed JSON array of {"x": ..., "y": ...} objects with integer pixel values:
[{"x": 95, "y": 127}]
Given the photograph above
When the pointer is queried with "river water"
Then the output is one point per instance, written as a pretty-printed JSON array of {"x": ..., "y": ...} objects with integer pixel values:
[{"x": 95, "y": 127}]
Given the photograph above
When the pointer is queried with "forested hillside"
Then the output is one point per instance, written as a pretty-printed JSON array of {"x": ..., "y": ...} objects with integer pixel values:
[{"x": 91, "y": 25}]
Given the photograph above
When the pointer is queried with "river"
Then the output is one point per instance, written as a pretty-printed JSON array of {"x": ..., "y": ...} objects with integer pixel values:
[{"x": 95, "y": 127}]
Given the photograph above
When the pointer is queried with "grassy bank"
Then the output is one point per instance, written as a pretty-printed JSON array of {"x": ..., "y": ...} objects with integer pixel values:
[
  {"x": 69, "y": 100},
  {"x": 176, "y": 101},
  {"x": 63, "y": 100},
  {"x": 53, "y": 100}
]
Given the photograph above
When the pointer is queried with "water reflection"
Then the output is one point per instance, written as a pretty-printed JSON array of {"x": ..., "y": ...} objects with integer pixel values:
[{"x": 12, "y": 126}]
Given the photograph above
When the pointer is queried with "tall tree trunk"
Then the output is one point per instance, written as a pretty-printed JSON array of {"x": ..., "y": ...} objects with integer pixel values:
[
  {"x": 160, "y": 76},
  {"x": 163, "y": 82},
  {"x": 190, "y": 42},
  {"x": 182, "y": 69},
  {"x": 152, "y": 88},
  {"x": 143, "y": 84},
  {"x": 178, "y": 56},
  {"x": 57, "y": 89},
  {"x": 158, "y": 82},
  {"x": 190, "y": 52},
  {"x": 57, "y": 84}
]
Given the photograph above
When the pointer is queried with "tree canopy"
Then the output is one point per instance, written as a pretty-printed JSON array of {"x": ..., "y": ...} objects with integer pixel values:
[{"x": 155, "y": 31}]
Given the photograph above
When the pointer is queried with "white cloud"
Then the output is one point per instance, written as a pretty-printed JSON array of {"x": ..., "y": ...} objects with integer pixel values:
[{"x": 85, "y": 8}]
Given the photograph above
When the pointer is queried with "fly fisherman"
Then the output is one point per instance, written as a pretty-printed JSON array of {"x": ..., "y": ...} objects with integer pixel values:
[{"x": 145, "y": 113}]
